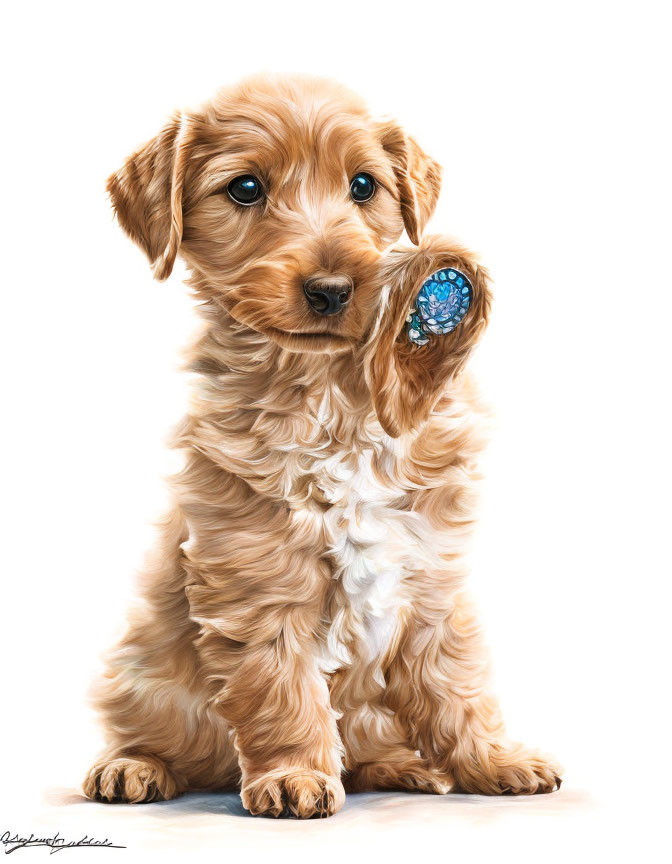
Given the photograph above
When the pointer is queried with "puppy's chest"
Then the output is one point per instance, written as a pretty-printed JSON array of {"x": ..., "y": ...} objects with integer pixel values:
[{"x": 374, "y": 543}]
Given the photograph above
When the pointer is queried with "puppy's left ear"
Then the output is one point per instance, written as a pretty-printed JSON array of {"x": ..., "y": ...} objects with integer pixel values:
[
  {"x": 146, "y": 194},
  {"x": 418, "y": 177},
  {"x": 405, "y": 380}
]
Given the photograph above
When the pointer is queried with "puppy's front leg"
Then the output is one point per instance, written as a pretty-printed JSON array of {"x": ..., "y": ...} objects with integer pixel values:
[{"x": 258, "y": 596}]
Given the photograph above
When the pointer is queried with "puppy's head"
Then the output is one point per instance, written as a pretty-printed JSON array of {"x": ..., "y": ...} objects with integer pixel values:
[{"x": 281, "y": 196}]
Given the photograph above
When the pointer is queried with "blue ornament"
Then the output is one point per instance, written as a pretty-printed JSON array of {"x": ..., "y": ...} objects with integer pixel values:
[{"x": 440, "y": 306}]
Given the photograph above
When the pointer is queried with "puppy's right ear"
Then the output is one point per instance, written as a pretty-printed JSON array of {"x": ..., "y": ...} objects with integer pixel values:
[{"x": 146, "y": 194}]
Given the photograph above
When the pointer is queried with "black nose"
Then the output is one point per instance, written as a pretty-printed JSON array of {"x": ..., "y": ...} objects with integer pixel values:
[{"x": 328, "y": 294}]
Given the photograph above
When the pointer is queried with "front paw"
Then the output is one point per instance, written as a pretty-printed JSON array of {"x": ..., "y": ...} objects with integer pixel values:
[
  {"x": 502, "y": 770},
  {"x": 132, "y": 779},
  {"x": 294, "y": 792}
]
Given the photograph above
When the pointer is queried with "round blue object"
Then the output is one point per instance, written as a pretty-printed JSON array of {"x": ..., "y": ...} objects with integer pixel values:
[{"x": 440, "y": 306}]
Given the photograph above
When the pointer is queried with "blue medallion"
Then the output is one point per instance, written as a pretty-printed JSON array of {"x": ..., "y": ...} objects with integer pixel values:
[{"x": 440, "y": 306}]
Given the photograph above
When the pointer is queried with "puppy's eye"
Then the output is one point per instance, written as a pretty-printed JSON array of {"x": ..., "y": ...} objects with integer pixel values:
[
  {"x": 245, "y": 190},
  {"x": 362, "y": 187}
]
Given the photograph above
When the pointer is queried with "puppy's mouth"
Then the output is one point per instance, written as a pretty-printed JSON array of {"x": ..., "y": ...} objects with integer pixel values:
[{"x": 316, "y": 343}]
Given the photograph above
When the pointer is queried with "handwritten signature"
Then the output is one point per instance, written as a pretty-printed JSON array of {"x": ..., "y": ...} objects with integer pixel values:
[{"x": 56, "y": 843}]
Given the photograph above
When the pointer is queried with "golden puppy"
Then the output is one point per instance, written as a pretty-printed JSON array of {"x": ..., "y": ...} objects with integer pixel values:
[{"x": 303, "y": 622}]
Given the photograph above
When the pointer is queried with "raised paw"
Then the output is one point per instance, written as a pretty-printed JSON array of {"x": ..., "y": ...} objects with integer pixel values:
[
  {"x": 135, "y": 780},
  {"x": 300, "y": 793},
  {"x": 504, "y": 770}
]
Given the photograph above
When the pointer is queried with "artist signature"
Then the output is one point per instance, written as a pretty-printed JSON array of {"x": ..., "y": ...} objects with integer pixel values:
[{"x": 55, "y": 842}]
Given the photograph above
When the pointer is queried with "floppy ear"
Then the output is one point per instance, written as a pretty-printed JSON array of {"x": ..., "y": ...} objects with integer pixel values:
[
  {"x": 418, "y": 177},
  {"x": 146, "y": 194},
  {"x": 407, "y": 380}
]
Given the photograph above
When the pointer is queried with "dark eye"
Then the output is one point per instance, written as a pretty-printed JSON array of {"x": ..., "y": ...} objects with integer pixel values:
[
  {"x": 245, "y": 190},
  {"x": 362, "y": 187}
]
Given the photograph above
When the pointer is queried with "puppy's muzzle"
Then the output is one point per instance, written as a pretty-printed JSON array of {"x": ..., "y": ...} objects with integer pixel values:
[{"x": 327, "y": 295}]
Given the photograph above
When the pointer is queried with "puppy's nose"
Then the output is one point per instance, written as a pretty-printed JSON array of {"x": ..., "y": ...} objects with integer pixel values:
[{"x": 328, "y": 294}]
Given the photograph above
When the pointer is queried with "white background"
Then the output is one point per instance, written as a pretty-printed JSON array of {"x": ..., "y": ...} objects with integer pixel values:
[{"x": 552, "y": 122}]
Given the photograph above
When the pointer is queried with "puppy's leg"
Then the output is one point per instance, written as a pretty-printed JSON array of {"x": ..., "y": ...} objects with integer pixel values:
[
  {"x": 379, "y": 756},
  {"x": 258, "y": 595},
  {"x": 437, "y": 685},
  {"x": 161, "y": 735}
]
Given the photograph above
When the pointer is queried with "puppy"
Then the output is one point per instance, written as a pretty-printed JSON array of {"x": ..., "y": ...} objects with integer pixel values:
[{"x": 304, "y": 627}]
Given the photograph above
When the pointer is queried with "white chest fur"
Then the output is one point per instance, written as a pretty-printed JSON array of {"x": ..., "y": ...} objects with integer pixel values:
[{"x": 374, "y": 546}]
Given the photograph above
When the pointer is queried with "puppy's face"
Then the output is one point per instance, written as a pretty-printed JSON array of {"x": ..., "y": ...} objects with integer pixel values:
[{"x": 282, "y": 197}]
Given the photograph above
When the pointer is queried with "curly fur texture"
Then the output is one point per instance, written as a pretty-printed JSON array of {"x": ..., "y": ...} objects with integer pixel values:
[{"x": 304, "y": 625}]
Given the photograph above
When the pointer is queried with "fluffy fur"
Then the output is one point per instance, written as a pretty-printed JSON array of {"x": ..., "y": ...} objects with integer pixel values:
[{"x": 303, "y": 623}]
